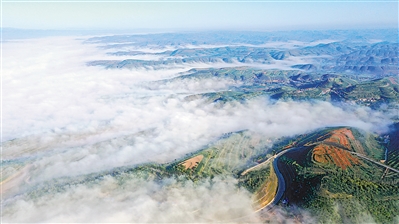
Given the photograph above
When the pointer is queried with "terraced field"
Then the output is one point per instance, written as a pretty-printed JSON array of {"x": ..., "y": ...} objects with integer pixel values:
[
  {"x": 193, "y": 162},
  {"x": 330, "y": 155},
  {"x": 316, "y": 169},
  {"x": 227, "y": 156},
  {"x": 393, "y": 159},
  {"x": 266, "y": 192},
  {"x": 373, "y": 92}
]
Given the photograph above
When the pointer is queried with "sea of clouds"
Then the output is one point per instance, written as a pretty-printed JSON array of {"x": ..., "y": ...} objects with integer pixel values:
[{"x": 62, "y": 118}]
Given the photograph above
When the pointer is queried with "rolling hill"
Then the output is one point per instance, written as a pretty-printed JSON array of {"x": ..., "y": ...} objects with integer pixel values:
[{"x": 335, "y": 173}]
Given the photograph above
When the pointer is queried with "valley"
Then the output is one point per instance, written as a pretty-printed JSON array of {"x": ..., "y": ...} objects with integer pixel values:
[{"x": 209, "y": 127}]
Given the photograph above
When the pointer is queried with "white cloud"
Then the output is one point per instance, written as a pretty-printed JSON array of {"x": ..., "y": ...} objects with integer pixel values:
[
  {"x": 68, "y": 119},
  {"x": 136, "y": 200}
]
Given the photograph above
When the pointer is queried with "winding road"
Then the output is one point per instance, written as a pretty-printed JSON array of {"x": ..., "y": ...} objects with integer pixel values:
[
  {"x": 280, "y": 179},
  {"x": 281, "y": 182},
  {"x": 281, "y": 185}
]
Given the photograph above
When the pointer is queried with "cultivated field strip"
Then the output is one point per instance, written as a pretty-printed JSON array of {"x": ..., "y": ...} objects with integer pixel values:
[{"x": 227, "y": 155}]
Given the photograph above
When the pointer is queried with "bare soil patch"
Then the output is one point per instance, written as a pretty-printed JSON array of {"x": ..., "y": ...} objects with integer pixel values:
[{"x": 193, "y": 162}]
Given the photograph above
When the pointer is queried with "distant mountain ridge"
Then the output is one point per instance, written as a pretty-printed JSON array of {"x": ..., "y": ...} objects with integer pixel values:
[{"x": 348, "y": 54}]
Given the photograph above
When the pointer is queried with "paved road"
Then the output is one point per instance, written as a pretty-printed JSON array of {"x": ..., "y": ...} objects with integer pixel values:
[
  {"x": 280, "y": 181},
  {"x": 373, "y": 161},
  {"x": 357, "y": 154},
  {"x": 260, "y": 164}
]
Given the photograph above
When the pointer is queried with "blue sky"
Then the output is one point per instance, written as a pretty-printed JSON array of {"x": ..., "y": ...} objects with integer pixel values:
[{"x": 271, "y": 15}]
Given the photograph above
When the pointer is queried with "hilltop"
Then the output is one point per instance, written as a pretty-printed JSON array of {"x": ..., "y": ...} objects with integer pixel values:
[{"x": 317, "y": 171}]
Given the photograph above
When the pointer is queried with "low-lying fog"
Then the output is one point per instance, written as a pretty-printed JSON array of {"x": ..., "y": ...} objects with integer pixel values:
[{"x": 62, "y": 118}]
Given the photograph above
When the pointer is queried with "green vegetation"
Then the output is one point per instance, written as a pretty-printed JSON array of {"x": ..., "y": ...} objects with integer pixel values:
[
  {"x": 253, "y": 180},
  {"x": 336, "y": 195},
  {"x": 372, "y": 93},
  {"x": 356, "y": 196},
  {"x": 226, "y": 157},
  {"x": 298, "y": 85},
  {"x": 392, "y": 145},
  {"x": 331, "y": 193}
]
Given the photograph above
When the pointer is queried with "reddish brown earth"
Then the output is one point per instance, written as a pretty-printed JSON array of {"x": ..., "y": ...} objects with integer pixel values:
[
  {"x": 341, "y": 136},
  {"x": 327, "y": 153}
]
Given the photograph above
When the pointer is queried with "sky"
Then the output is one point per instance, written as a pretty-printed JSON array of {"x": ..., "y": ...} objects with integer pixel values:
[
  {"x": 64, "y": 119},
  {"x": 199, "y": 15}
]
